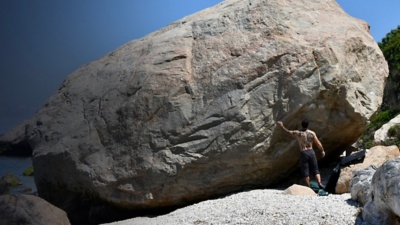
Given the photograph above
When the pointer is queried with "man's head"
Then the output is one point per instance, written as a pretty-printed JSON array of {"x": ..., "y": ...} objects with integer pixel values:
[{"x": 304, "y": 124}]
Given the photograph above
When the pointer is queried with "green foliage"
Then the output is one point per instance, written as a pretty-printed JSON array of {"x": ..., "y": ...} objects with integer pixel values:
[
  {"x": 367, "y": 144},
  {"x": 393, "y": 135},
  {"x": 392, "y": 141},
  {"x": 383, "y": 117},
  {"x": 390, "y": 47},
  {"x": 394, "y": 131},
  {"x": 367, "y": 139},
  {"x": 28, "y": 171}
]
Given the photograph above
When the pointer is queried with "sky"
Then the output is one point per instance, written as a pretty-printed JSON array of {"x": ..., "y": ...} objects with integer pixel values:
[{"x": 42, "y": 41}]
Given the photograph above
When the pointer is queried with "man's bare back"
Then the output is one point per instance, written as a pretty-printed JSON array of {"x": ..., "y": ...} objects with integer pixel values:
[{"x": 304, "y": 138}]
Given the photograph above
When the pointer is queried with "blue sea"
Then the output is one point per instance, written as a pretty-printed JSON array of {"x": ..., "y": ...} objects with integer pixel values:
[{"x": 16, "y": 166}]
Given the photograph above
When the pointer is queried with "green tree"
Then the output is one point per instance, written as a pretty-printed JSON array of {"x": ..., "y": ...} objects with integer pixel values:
[{"x": 390, "y": 46}]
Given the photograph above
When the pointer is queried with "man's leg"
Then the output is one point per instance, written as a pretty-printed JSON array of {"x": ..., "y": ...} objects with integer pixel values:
[
  {"x": 314, "y": 165},
  {"x": 318, "y": 176},
  {"x": 304, "y": 167},
  {"x": 307, "y": 180}
]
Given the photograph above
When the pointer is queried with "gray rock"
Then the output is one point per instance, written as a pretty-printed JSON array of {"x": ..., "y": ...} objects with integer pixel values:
[
  {"x": 381, "y": 135},
  {"x": 188, "y": 112},
  {"x": 296, "y": 189},
  {"x": 377, "y": 155},
  {"x": 360, "y": 184},
  {"x": 4, "y": 187},
  {"x": 30, "y": 210},
  {"x": 11, "y": 179},
  {"x": 384, "y": 204},
  {"x": 15, "y": 142}
]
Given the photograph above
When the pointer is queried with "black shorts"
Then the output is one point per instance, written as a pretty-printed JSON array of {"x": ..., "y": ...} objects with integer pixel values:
[{"x": 308, "y": 161}]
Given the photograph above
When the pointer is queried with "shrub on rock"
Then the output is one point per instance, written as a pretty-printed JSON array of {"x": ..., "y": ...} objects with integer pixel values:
[
  {"x": 28, "y": 171},
  {"x": 11, "y": 179}
]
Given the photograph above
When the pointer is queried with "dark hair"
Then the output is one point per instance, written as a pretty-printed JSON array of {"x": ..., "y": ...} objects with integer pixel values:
[{"x": 304, "y": 123}]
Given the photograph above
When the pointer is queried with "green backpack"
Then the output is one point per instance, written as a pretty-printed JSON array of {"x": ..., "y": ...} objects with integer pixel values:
[{"x": 315, "y": 187}]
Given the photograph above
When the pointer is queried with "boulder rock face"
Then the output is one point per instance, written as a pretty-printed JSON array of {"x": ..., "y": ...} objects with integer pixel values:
[
  {"x": 188, "y": 112},
  {"x": 383, "y": 206},
  {"x": 376, "y": 156}
]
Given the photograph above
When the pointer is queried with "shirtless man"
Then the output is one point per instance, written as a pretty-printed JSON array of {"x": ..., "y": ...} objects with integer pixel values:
[{"x": 306, "y": 138}]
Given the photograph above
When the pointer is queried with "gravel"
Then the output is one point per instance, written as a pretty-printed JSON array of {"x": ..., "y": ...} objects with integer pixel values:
[{"x": 267, "y": 206}]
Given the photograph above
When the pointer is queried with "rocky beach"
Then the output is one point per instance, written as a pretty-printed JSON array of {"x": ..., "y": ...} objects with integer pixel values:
[
  {"x": 279, "y": 206},
  {"x": 266, "y": 206}
]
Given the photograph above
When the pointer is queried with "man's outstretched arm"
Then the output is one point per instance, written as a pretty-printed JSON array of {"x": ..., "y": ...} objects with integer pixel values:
[{"x": 280, "y": 123}]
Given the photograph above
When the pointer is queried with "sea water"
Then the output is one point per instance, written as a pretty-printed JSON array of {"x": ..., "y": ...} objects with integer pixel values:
[{"x": 16, "y": 166}]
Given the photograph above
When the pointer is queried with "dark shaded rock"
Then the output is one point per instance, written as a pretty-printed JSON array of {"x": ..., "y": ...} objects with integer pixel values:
[
  {"x": 15, "y": 142},
  {"x": 4, "y": 189},
  {"x": 11, "y": 179},
  {"x": 30, "y": 210}
]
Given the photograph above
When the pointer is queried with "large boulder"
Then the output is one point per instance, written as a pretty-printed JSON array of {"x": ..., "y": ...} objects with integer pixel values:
[
  {"x": 30, "y": 210},
  {"x": 188, "y": 112},
  {"x": 383, "y": 206}
]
